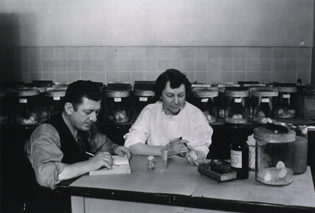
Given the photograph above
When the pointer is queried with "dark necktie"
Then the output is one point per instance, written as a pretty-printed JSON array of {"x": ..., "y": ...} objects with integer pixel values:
[{"x": 81, "y": 142}]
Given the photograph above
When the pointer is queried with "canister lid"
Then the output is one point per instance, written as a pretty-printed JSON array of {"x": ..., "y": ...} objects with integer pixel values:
[
  {"x": 25, "y": 92},
  {"x": 285, "y": 87},
  {"x": 265, "y": 93},
  {"x": 224, "y": 84},
  {"x": 256, "y": 88},
  {"x": 236, "y": 92},
  {"x": 117, "y": 93},
  {"x": 119, "y": 85},
  {"x": 59, "y": 86},
  {"x": 206, "y": 92},
  {"x": 55, "y": 93},
  {"x": 143, "y": 93},
  {"x": 270, "y": 136},
  {"x": 199, "y": 86}
]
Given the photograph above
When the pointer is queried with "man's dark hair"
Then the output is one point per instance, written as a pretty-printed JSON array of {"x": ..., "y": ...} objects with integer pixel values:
[
  {"x": 79, "y": 89},
  {"x": 175, "y": 77}
]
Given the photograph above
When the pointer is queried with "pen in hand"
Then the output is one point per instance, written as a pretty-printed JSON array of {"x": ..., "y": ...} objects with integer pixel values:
[
  {"x": 92, "y": 155},
  {"x": 175, "y": 139}
]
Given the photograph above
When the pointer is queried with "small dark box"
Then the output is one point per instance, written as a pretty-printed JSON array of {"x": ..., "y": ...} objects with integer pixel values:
[{"x": 218, "y": 170}]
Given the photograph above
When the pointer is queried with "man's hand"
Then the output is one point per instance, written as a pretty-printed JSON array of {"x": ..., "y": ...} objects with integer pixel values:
[
  {"x": 102, "y": 159},
  {"x": 121, "y": 151},
  {"x": 177, "y": 146}
]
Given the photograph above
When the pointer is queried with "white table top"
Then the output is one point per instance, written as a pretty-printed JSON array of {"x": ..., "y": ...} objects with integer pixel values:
[{"x": 184, "y": 179}]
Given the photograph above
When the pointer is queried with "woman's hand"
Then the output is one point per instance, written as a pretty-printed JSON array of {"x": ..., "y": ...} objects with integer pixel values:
[
  {"x": 195, "y": 157},
  {"x": 121, "y": 151},
  {"x": 177, "y": 146}
]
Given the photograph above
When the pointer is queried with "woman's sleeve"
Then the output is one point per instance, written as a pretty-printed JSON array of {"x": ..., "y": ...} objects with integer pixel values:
[
  {"x": 202, "y": 133},
  {"x": 140, "y": 130},
  {"x": 43, "y": 151}
]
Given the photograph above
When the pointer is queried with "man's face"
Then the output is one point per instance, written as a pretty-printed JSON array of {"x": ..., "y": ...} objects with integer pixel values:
[
  {"x": 86, "y": 114},
  {"x": 173, "y": 99}
]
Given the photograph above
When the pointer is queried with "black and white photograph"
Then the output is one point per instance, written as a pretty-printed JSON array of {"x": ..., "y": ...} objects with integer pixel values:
[{"x": 157, "y": 106}]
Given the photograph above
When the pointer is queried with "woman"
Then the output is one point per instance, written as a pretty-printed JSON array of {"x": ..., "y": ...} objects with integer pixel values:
[{"x": 171, "y": 122}]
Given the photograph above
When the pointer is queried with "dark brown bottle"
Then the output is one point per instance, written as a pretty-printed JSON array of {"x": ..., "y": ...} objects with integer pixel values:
[{"x": 239, "y": 156}]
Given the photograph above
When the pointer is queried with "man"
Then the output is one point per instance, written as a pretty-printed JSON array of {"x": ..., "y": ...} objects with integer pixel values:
[{"x": 58, "y": 149}]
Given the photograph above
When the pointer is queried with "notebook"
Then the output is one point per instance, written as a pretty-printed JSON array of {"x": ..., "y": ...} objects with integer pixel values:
[{"x": 120, "y": 166}]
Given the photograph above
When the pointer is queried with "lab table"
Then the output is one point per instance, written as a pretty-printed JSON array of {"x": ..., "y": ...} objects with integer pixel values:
[{"x": 184, "y": 189}]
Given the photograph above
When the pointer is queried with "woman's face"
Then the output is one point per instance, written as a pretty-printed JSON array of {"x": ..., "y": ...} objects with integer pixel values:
[{"x": 173, "y": 99}]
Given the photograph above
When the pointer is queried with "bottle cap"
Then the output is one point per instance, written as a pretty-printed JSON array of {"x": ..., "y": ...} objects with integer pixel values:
[{"x": 150, "y": 157}]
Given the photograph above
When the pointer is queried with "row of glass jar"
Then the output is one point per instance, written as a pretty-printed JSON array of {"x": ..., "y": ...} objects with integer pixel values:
[
  {"x": 237, "y": 105},
  {"x": 122, "y": 103},
  {"x": 30, "y": 106}
]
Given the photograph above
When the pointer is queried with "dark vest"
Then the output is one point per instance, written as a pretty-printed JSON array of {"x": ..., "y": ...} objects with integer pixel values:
[{"x": 69, "y": 146}]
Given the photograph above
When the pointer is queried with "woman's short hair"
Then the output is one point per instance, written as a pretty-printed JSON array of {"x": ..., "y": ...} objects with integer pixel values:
[
  {"x": 79, "y": 89},
  {"x": 175, "y": 77}
]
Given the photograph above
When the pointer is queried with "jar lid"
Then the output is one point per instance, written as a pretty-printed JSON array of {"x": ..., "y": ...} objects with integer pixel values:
[
  {"x": 265, "y": 93},
  {"x": 236, "y": 92},
  {"x": 143, "y": 93},
  {"x": 25, "y": 92},
  {"x": 150, "y": 157},
  {"x": 55, "y": 93},
  {"x": 205, "y": 93},
  {"x": 225, "y": 84},
  {"x": 270, "y": 136},
  {"x": 287, "y": 89},
  {"x": 257, "y": 88},
  {"x": 117, "y": 93}
]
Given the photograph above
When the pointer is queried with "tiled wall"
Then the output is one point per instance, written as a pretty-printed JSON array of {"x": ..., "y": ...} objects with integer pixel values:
[{"x": 201, "y": 64}]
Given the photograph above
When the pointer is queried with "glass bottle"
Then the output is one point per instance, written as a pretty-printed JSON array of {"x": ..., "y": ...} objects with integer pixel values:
[
  {"x": 150, "y": 164},
  {"x": 239, "y": 156}
]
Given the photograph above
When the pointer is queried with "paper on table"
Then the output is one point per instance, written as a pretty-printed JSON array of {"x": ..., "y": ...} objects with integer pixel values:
[{"x": 120, "y": 166}]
